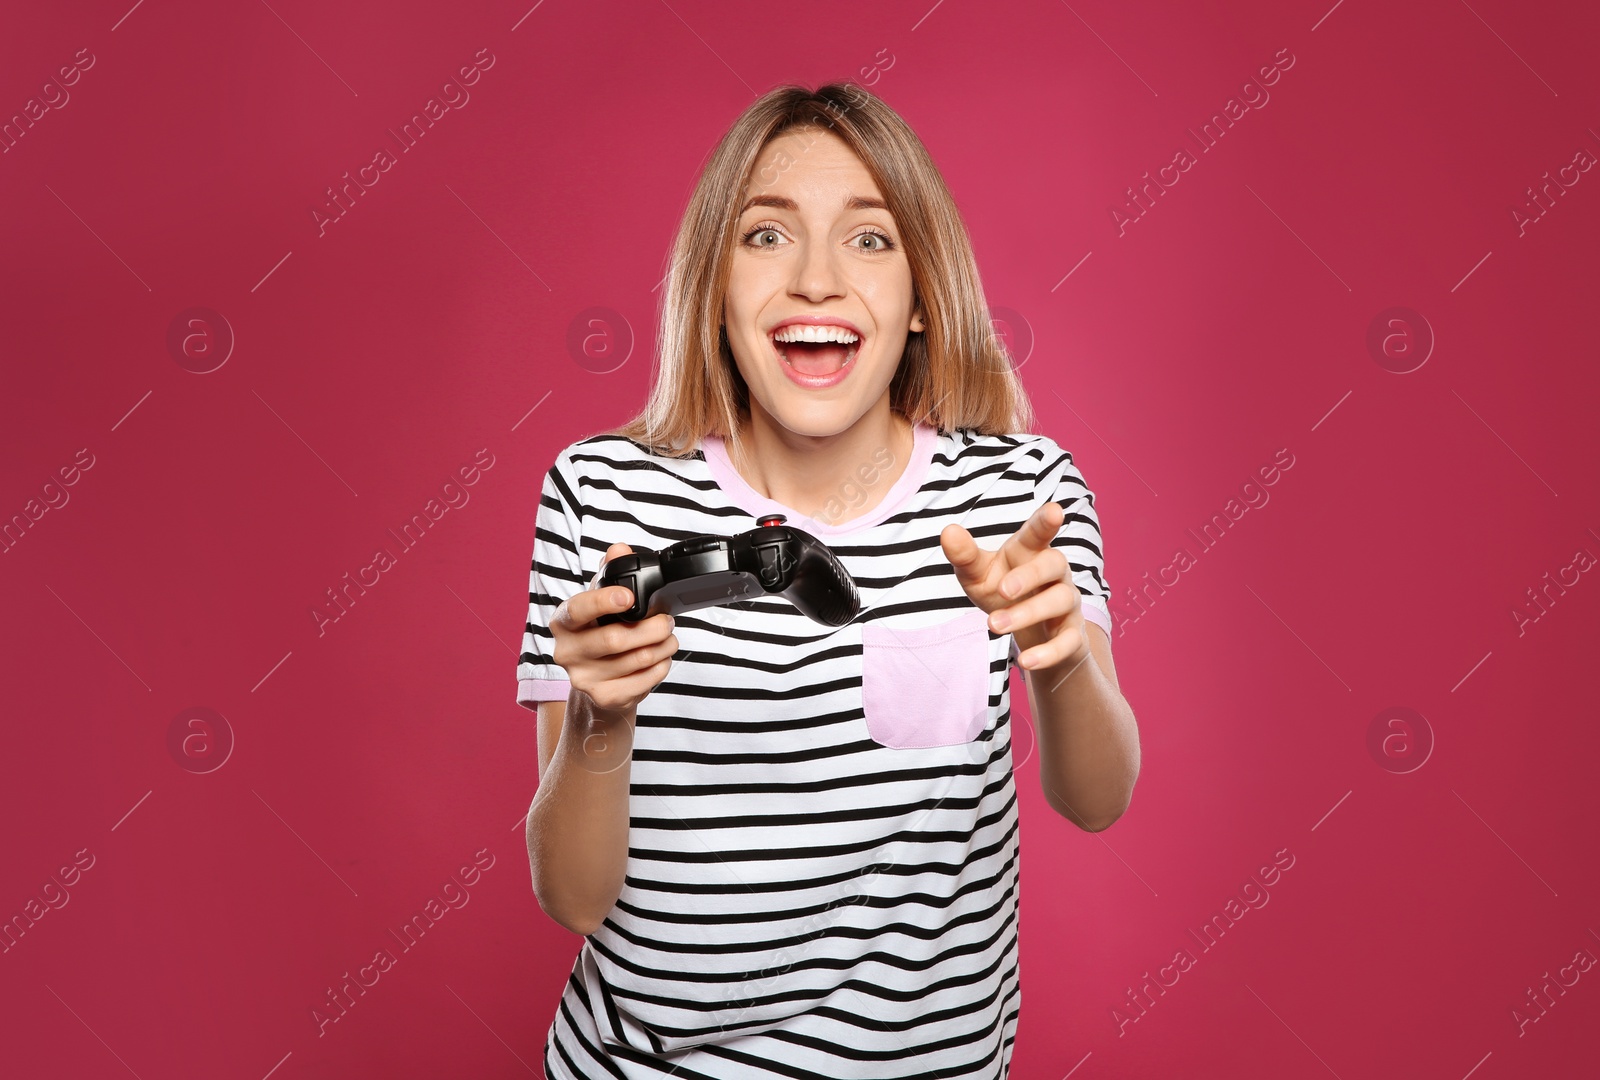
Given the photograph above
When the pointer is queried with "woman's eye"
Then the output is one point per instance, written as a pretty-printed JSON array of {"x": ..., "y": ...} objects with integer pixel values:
[
  {"x": 757, "y": 232},
  {"x": 876, "y": 241}
]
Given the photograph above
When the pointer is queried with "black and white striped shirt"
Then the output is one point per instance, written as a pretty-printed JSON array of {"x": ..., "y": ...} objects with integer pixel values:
[{"x": 822, "y": 856}]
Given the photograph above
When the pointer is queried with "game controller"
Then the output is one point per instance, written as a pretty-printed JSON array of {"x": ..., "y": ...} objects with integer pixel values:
[{"x": 703, "y": 571}]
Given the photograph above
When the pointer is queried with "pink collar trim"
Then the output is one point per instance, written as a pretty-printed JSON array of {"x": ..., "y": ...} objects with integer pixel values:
[{"x": 925, "y": 439}]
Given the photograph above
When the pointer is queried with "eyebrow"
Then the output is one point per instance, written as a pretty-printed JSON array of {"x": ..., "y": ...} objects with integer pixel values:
[{"x": 783, "y": 202}]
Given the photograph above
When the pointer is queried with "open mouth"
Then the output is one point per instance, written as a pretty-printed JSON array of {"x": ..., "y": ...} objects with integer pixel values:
[{"x": 816, "y": 351}]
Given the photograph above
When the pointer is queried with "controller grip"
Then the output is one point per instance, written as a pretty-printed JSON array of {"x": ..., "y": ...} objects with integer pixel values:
[
  {"x": 822, "y": 589},
  {"x": 640, "y": 572}
]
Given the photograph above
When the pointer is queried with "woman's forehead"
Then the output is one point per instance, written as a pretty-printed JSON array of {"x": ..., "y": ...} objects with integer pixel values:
[{"x": 813, "y": 180}]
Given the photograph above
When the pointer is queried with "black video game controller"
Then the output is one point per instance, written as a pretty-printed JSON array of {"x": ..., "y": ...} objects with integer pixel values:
[{"x": 703, "y": 571}]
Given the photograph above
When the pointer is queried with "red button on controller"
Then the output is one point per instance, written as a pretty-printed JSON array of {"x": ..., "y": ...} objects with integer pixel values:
[{"x": 772, "y": 519}]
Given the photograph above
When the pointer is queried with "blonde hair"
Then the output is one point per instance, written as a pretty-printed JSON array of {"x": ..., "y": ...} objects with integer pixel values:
[{"x": 954, "y": 374}]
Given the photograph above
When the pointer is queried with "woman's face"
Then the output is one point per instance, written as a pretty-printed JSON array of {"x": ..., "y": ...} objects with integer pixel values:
[{"x": 814, "y": 240}]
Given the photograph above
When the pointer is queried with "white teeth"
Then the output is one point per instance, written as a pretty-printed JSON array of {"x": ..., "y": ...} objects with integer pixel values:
[{"x": 804, "y": 332}]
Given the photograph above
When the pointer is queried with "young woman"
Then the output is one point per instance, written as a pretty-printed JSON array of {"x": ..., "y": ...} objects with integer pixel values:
[{"x": 792, "y": 848}]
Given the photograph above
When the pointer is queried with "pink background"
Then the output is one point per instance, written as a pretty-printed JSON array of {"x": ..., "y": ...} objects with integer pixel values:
[{"x": 374, "y": 759}]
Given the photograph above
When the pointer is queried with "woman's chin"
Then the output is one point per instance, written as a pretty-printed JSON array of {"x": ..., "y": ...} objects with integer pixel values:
[{"x": 815, "y": 418}]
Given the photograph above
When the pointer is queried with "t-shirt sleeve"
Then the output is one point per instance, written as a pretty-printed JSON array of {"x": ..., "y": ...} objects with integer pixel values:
[
  {"x": 556, "y": 575},
  {"x": 1079, "y": 538}
]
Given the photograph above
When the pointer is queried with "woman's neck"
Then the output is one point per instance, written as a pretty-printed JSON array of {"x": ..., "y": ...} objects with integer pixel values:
[{"x": 813, "y": 473}]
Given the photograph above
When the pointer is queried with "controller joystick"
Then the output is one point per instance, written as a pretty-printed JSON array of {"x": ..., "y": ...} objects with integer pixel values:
[{"x": 704, "y": 571}]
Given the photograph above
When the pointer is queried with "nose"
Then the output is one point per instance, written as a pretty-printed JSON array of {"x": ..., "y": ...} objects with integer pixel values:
[{"x": 817, "y": 273}]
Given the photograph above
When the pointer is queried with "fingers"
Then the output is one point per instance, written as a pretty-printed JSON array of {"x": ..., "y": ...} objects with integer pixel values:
[
  {"x": 1035, "y": 534},
  {"x": 594, "y": 601},
  {"x": 594, "y": 655},
  {"x": 623, "y": 650},
  {"x": 585, "y": 607},
  {"x": 612, "y": 552},
  {"x": 1051, "y": 603},
  {"x": 615, "y": 639},
  {"x": 620, "y": 638},
  {"x": 964, "y": 554},
  {"x": 630, "y": 687},
  {"x": 1058, "y": 650},
  {"x": 626, "y": 676},
  {"x": 619, "y": 663},
  {"x": 1048, "y": 566}
]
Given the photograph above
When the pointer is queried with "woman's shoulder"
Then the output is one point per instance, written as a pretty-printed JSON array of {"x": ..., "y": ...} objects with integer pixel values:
[
  {"x": 1011, "y": 446},
  {"x": 609, "y": 447},
  {"x": 619, "y": 461}
]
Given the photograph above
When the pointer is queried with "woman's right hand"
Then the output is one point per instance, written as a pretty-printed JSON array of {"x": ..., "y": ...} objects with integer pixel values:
[{"x": 618, "y": 664}]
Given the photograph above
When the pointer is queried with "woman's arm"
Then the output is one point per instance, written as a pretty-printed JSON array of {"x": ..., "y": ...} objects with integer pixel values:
[
  {"x": 1088, "y": 738},
  {"x": 578, "y": 825}
]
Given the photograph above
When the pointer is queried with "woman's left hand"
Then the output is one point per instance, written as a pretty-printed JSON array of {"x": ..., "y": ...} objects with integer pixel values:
[{"x": 1026, "y": 586}]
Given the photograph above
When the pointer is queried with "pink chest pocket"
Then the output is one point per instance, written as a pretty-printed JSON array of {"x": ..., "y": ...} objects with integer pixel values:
[{"x": 926, "y": 685}]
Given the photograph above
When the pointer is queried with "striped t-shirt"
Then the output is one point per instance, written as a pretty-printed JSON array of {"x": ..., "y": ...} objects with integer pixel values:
[{"x": 823, "y": 855}]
